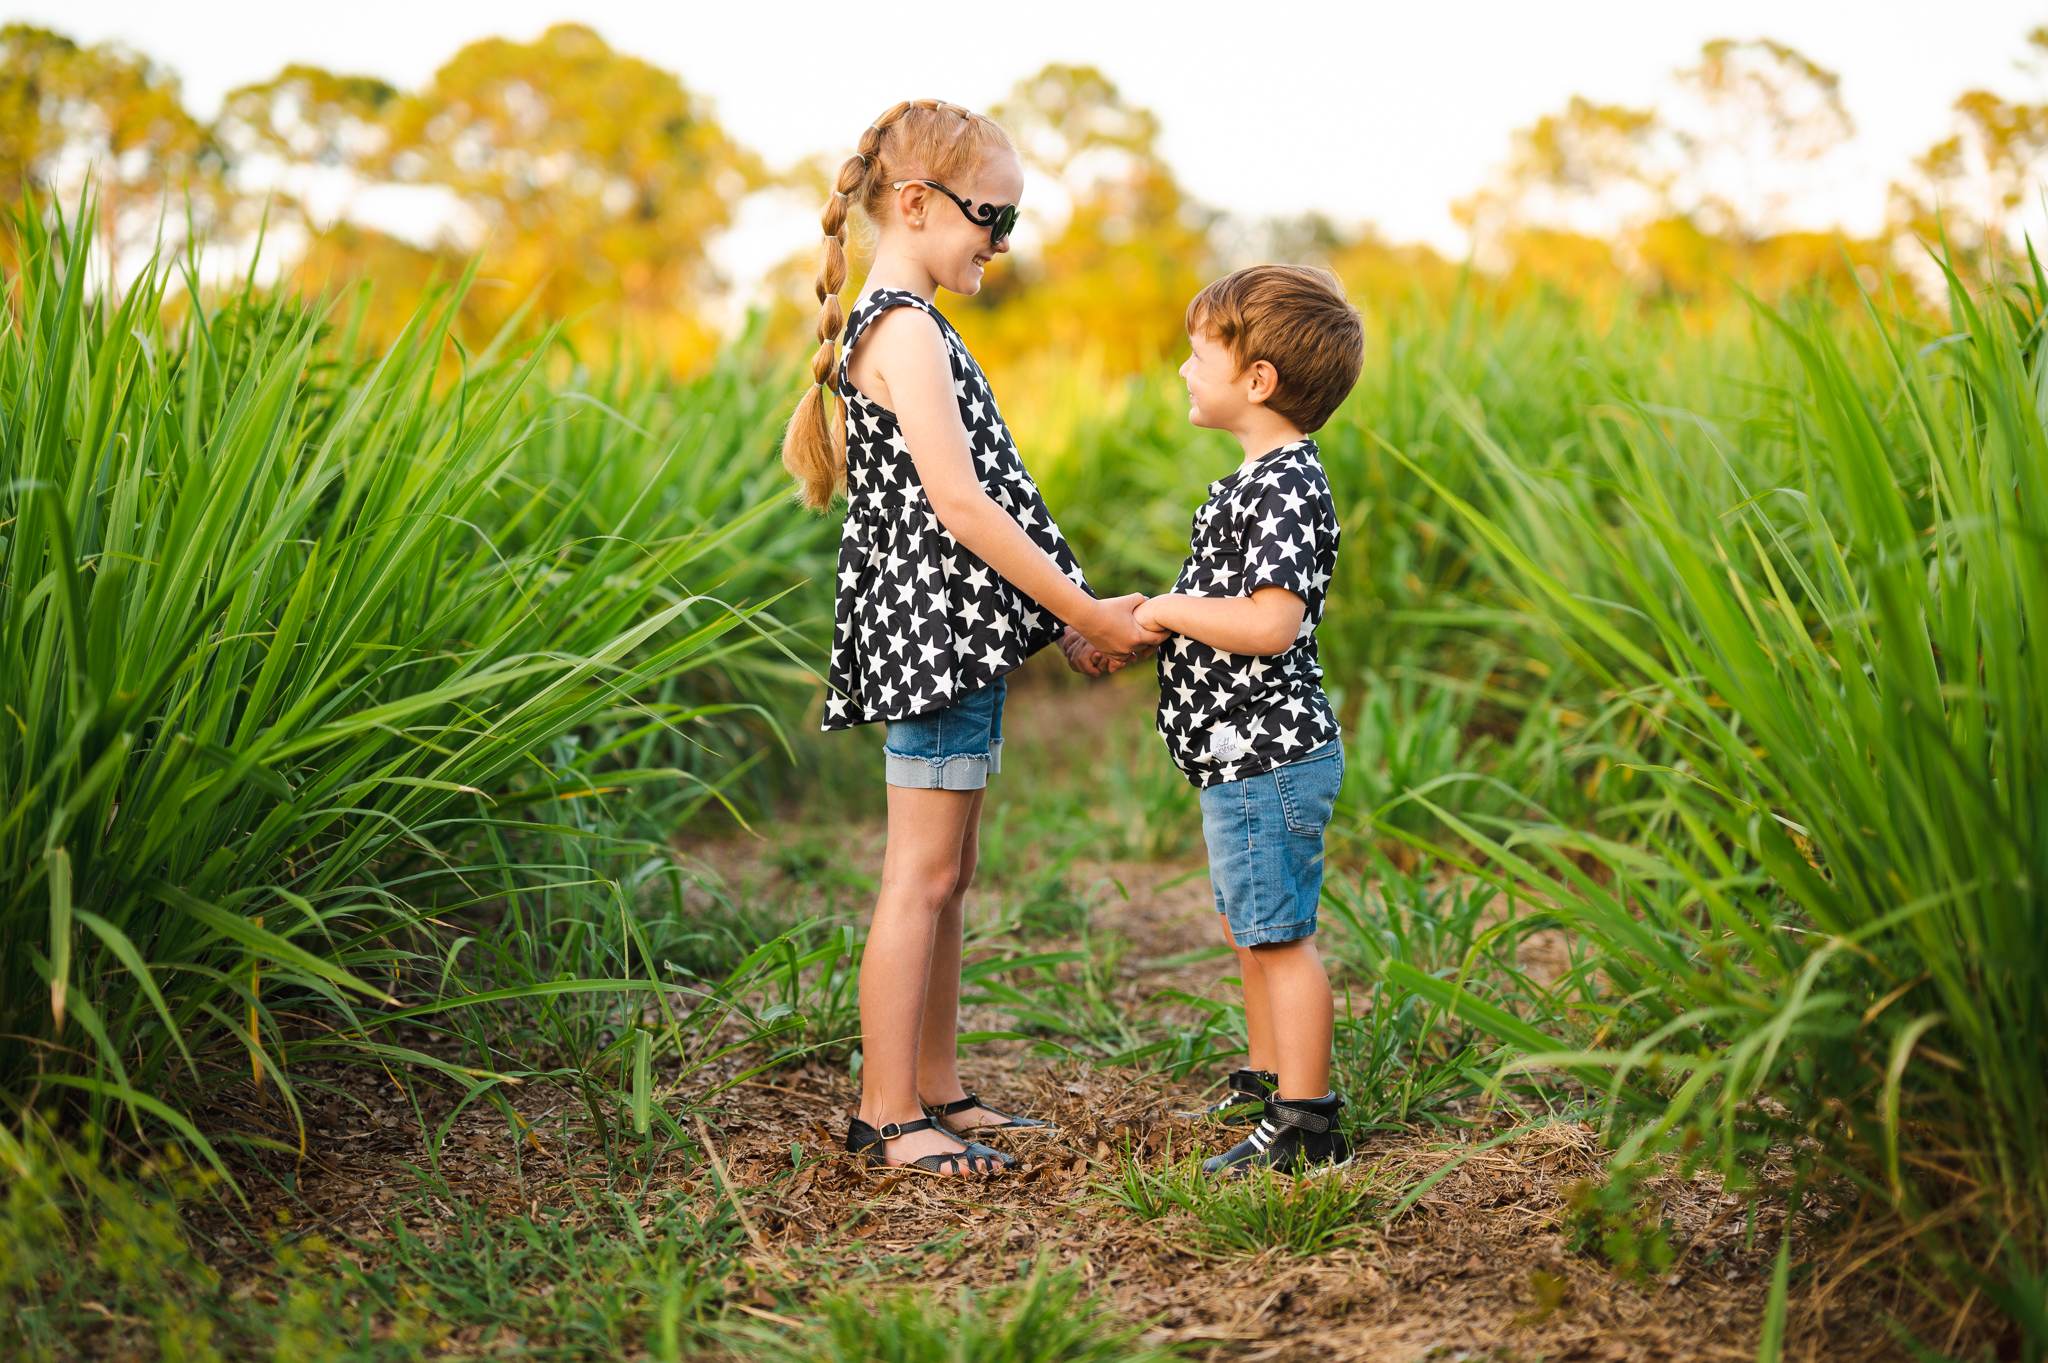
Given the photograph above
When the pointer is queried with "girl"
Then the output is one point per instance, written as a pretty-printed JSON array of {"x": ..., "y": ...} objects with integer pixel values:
[{"x": 951, "y": 574}]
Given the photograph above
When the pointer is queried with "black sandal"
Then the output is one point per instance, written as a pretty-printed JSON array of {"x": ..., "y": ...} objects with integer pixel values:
[
  {"x": 1010, "y": 1122},
  {"x": 870, "y": 1143}
]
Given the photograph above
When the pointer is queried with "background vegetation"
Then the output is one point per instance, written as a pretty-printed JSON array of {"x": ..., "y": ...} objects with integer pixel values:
[{"x": 362, "y": 654}]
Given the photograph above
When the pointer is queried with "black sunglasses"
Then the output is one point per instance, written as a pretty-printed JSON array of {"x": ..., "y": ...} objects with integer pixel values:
[{"x": 999, "y": 219}]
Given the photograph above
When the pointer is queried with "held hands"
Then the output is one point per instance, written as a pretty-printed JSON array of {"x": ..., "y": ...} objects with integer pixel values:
[
  {"x": 1086, "y": 659},
  {"x": 1120, "y": 634},
  {"x": 1090, "y": 661},
  {"x": 1114, "y": 629}
]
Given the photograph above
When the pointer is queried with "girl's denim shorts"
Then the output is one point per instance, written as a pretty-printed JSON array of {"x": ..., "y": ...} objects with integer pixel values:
[
  {"x": 951, "y": 749},
  {"x": 1265, "y": 836}
]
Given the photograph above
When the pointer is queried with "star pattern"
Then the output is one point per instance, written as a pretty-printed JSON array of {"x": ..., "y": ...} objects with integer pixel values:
[
  {"x": 1228, "y": 716},
  {"x": 918, "y": 620}
]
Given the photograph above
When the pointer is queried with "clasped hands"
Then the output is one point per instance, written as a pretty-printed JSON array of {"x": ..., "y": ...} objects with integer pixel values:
[{"x": 1116, "y": 634}]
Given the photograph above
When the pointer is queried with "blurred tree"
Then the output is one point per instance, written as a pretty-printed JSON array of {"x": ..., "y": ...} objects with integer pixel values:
[
  {"x": 1759, "y": 115},
  {"x": 1110, "y": 283},
  {"x": 598, "y": 180},
  {"x": 305, "y": 134},
  {"x": 68, "y": 112},
  {"x": 1569, "y": 170},
  {"x": 1063, "y": 117},
  {"x": 1678, "y": 200},
  {"x": 1973, "y": 184}
]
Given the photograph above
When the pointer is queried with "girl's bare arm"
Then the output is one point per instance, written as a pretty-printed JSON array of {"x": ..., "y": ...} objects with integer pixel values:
[{"x": 910, "y": 357}]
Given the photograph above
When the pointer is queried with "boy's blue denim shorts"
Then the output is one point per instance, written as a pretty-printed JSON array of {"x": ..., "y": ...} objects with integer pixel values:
[
  {"x": 951, "y": 749},
  {"x": 1265, "y": 836}
]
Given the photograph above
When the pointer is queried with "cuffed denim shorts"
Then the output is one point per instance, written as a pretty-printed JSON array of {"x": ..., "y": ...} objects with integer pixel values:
[
  {"x": 951, "y": 749},
  {"x": 1265, "y": 836}
]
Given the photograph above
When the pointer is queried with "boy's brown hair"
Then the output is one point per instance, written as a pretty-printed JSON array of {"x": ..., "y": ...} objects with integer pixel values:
[{"x": 1296, "y": 319}]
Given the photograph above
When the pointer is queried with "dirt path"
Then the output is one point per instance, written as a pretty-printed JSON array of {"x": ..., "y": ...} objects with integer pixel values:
[{"x": 1479, "y": 1268}]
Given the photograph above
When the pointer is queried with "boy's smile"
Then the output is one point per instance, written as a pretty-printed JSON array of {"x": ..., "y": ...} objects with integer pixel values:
[
  {"x": 1211, "y": 378},
  {"x": 1223, "y": 397}
]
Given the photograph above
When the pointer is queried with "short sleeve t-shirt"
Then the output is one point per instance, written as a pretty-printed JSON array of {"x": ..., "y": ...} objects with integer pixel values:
[{"x": 1228, "y": 716}]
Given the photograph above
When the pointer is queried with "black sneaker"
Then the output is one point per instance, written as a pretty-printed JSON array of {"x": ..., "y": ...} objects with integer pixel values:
[
  {"x": 1293, "y": 1137},
  {"x": 1242, "y": 1101}
]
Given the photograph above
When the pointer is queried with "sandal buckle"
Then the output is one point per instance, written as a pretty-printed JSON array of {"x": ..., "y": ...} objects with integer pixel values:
[{"x": 890, "y": 1131}]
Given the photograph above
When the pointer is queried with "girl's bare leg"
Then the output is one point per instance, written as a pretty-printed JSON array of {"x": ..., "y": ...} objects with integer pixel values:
[
  {"x": 920, "y": 877},
  {"x": 938, "y": 1072}
]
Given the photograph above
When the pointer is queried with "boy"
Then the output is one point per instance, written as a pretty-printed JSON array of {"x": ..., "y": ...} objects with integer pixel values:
[{"x": 1241, "y": 706}]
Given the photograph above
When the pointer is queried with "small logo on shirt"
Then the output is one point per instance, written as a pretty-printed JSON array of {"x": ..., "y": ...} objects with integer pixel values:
[{"x": 1226, "y": 744}]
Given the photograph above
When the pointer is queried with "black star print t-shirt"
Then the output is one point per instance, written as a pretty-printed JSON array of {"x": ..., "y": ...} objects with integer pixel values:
[
  {"x": 1227, "y": 716},
  {"x": 918, "y": 619}
]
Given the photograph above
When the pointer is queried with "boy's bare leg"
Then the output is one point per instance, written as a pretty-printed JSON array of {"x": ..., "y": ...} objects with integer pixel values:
[
  {"x": 920, "y": 876},
  {"x": 1303, "y": 1017},
  {"x": 938, "y": 1050},
  {"x": 1258, "y": 1013}
]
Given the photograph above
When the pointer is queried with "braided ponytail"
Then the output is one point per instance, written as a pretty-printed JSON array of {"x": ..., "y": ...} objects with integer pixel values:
[{"x": 933, "y": 140}]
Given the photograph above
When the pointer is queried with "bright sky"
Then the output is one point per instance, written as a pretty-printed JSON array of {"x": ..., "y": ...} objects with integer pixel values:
[{"x": 1370, "y": 112}]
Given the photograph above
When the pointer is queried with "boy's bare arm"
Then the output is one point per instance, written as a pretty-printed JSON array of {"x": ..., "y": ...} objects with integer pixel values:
[{"x": 1264, "y": 623}]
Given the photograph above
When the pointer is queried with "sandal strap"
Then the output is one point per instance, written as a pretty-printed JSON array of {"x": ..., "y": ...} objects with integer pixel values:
[
  {"x": 957, "y": 1105},
  {"x": 890, "y": 1131}
]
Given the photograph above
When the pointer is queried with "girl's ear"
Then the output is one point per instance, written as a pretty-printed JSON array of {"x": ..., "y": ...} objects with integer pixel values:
[
  {"x": 911, "y": 202},
  {"x": 1264, "y": 381}
]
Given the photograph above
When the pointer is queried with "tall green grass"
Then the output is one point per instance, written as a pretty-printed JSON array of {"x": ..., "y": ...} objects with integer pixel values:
[
  {"x": 311, "y": 660},
  {"x": 1814, "y": 892}
]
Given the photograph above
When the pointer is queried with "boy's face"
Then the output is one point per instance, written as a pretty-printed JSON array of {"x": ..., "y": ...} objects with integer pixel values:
[{"x": 1218, "y": 393}]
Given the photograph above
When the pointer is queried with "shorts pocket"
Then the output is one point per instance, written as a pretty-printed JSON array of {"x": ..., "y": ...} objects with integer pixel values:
[{"x": 1308, "y": 790}]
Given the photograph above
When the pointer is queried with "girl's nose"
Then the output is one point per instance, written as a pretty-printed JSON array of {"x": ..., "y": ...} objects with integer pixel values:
[{"x": 1002, "y": 248}]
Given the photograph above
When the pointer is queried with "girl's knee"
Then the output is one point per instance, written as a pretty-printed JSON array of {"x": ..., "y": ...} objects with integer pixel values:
[
  {"x": 963, "y": 876},
  {"x": 927, "y": 891}
]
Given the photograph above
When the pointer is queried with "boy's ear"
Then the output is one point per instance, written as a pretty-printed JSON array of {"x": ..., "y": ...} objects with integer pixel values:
[{"x": 1262, "y": 381}]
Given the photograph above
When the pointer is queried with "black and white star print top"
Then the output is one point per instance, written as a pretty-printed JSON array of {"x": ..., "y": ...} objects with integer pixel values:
[
  {"x": 919, "y": 620},
  {"x": 1227, "y": 716}
]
